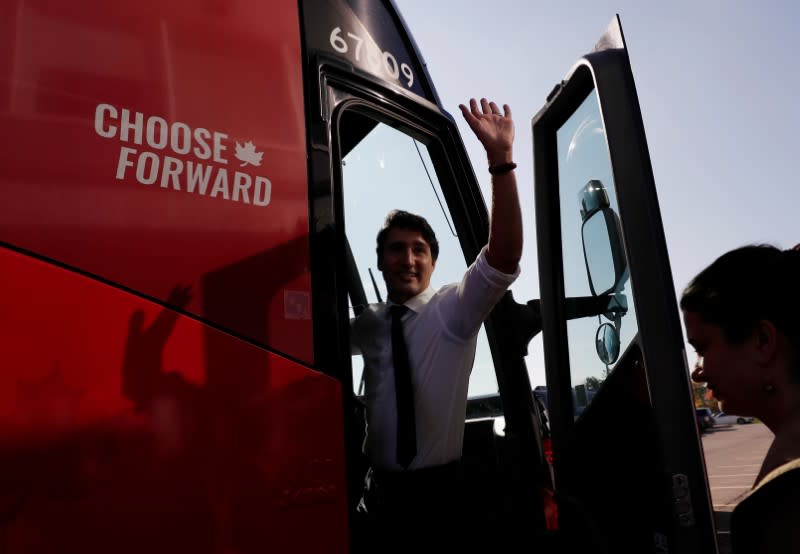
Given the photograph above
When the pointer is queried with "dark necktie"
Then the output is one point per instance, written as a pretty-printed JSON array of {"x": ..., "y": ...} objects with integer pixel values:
[{"x": 406, "y": 425}]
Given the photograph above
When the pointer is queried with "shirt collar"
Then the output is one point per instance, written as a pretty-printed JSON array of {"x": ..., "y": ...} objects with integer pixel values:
[{"x": 416, "y": 303}]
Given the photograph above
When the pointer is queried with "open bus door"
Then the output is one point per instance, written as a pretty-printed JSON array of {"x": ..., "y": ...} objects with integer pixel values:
[{"x": 629, "y": 468}]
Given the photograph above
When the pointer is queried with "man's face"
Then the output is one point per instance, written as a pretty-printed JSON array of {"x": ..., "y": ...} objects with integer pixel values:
[{"x": 407, "y": 264}]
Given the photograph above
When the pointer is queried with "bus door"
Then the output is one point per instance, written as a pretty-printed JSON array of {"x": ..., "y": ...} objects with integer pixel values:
[
  {"x": 389, "y": 154},
  {"x": 379, "y": 140},
  {"x": 629, "y": 468}
]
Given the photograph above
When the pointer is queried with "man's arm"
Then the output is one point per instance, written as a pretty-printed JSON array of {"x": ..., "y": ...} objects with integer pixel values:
[{"x": 495, "y": 131}]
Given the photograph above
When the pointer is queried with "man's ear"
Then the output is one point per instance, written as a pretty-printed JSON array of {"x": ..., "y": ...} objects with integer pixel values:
[{"x": 765, "y": 336}]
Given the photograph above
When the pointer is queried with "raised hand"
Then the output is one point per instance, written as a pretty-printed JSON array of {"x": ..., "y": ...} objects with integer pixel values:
[
  {"x": 180, "y": 296},
  {"x": 494, "y": 130}
]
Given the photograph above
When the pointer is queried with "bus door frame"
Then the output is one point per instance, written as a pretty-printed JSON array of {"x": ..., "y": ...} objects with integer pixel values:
[{"x": 607, "y": 71}]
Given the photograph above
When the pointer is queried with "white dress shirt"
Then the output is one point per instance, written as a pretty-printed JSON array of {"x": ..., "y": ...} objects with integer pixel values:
[{"x": 441, "y": 330}]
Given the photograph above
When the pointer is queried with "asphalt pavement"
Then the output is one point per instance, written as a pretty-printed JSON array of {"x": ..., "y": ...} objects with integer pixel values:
[{"x": 733, "y": 456}]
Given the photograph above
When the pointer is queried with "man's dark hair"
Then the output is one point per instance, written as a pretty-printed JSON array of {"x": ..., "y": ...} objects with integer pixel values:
[
  {"x": 745, "y": 286},
  {"x": 399, "y": 219}
]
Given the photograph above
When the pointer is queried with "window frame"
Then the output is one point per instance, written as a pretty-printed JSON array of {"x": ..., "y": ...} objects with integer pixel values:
[{"x": 464, "y": 203}]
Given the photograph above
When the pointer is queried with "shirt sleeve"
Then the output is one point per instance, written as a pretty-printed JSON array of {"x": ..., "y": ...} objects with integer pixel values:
[{"x": 469, "y": 303}]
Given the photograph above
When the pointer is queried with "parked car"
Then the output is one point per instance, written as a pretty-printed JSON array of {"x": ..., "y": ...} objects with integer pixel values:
[
  {"x": 705, "y": 419},
  {"x": 728, "y": 419}
]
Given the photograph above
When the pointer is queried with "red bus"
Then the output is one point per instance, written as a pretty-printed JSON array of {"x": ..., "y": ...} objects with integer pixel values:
[{"x": 189, "y": 196}]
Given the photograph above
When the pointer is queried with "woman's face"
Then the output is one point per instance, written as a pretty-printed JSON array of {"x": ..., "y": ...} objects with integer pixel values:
[{"x": 728, "y": 369}]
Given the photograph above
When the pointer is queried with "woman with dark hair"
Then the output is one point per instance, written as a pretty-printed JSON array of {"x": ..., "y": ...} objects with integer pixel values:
[{"x": 742, "y": 316}]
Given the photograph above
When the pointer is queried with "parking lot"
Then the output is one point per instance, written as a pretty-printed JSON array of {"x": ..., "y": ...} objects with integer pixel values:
[{"x": 733, "y": 456}]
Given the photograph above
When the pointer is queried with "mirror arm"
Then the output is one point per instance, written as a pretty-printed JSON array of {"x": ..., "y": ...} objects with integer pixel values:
[
  {"x": 526, "y": 322},
  {"x": 527, "y": 318},
  {"x": 586, "y": 306}
]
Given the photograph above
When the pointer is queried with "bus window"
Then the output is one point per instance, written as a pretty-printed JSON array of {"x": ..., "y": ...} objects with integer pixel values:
[
  {"x": 591, "y": 267},
  {"x": 383, "y": 169}
]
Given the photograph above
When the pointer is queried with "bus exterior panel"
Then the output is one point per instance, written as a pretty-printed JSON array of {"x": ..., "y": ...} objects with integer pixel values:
[
  {"x": 128, "y": 427},
  {"x": 154, "y": 144}
]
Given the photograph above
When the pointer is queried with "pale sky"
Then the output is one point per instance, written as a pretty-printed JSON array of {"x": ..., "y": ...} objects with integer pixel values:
[{"x": 716, "y": 83}]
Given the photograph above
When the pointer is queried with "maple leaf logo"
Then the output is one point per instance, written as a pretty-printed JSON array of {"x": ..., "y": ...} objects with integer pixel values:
[{"x": 247, "y": 154}]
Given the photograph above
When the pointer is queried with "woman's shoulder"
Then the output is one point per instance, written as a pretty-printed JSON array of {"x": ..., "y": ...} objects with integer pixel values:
[
  {"x": 781, "y": 474},
  {"x": 781, "y": 483},
  {"x": 768, "y": 519}
]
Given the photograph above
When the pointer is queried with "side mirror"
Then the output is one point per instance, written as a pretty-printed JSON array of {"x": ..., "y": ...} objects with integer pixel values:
[{"x": 603, "y": 253}]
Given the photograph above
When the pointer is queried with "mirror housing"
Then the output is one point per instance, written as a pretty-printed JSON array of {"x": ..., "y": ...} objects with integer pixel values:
[
  {"x": 593, "y": 197},
  {"x": 603, "y": 253}
]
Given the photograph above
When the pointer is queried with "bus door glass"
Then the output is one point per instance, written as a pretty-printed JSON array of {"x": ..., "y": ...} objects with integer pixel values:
[
  {"x": 391, "y": 164},
  {"x": 383, "y": 169},
  {"x": 594, "y": 259}
]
